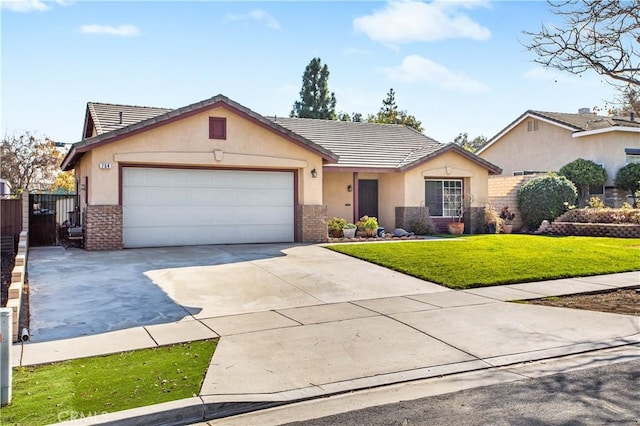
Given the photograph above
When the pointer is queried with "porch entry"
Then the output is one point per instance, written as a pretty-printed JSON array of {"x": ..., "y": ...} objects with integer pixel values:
[{"x": 367, "y": 198}]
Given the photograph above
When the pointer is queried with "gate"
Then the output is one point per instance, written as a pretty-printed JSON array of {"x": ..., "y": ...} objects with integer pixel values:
[{"x": 47, "y": 213}]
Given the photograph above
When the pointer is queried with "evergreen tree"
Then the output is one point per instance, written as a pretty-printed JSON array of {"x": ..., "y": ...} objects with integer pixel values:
[
  {"x": 315, "y": 99},
  {"x": 390, "y": 114}
]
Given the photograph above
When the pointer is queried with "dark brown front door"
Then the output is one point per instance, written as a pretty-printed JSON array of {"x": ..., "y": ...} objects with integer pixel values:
[{"x": 367, "y": 198}]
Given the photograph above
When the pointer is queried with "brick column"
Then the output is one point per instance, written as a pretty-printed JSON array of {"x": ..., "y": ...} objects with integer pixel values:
[
  {"x": 311, "y": 223},
  {"x": 104, "y": 228},
  {"x": 25, "y": 211}
]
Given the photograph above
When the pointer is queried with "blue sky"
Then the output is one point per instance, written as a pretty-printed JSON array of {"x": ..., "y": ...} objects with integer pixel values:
[{"x": 456, "y": 66}]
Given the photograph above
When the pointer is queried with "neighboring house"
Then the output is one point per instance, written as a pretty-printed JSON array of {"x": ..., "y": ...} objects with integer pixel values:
[
  {"x": 5, "y": 188},
  {"x": 215, "y": 172},
  {"x": 540, "y": 141}
]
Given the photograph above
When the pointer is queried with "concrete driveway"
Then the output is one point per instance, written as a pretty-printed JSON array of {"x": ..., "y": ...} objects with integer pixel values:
[{"x": 77, "y": 293}]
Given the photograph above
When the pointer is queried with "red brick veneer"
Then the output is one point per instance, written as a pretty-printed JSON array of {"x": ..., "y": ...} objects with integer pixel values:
[{"x": 104, "y": 228}]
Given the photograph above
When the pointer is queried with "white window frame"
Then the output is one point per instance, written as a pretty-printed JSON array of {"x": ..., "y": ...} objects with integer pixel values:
[
  {"x": 632, "y": 155},
  {"x": 451, "y": 192}
]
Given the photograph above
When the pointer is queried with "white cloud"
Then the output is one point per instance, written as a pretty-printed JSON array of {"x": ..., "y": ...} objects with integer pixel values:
[
  {"x": 120, "y": 30},
  {"x": 416, "y": 69},
  {"x": 30, "y": 5},
  {"x": 410, "y": 21},
  {"x": 256, "y": 15}
]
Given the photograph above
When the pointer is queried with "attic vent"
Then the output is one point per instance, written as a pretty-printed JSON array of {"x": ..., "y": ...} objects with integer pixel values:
[
  {"x": 217, "y": 128},
  {"x": 120, "y": 114},
  {"x": 584, "y": 111}
]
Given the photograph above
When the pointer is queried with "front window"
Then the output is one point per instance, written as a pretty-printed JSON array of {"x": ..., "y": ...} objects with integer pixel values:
[
  {"x": 633, "y": 155},
  {"x": 443, "y": 197}
]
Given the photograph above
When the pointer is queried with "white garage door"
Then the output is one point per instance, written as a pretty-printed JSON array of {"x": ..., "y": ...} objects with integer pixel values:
[{"x": 174, "y": 207}]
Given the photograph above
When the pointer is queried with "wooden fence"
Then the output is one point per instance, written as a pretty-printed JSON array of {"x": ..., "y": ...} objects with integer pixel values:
[{"x": 11, "y": 215}]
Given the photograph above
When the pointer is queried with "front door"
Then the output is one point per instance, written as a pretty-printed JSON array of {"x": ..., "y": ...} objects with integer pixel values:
[{"x": 367, "y": 198}]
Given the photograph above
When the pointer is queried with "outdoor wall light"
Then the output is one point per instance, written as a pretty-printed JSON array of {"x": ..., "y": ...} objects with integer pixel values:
[
  {"x": 314, "y": 173},
  {"x": 349, "y": 188}
]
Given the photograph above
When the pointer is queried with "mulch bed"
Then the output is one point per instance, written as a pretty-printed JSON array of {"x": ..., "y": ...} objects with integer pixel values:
[{"x": 624, "y": 301}]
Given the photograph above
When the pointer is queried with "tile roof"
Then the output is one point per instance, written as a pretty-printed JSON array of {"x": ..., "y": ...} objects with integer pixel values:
[
  {"x": 364, "y": 144},
  {"x": 167, "y": 115},
  {"x": 341, "y": 143},
  {"x": 106, "y": 117},
  {"x": 587, "y": 121}
]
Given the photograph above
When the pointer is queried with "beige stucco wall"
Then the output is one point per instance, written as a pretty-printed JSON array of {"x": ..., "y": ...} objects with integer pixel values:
[
  {"x": 335, "y": 195},
  {"x": 340, "y": 202},
  {"x": 449, "y": 165},
  {"x": 391, "y": 195},
  {"x": 82, "y": 171},
  {"x": 405, "y": 189},
  {"x": 551, "y": 147},
  {"x": 186, "y": 142}
]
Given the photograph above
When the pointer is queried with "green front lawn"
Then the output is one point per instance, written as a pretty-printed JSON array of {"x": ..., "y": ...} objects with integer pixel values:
[
  {"x": 484, "y": 260},
  {"x": 92, "y": 386}
]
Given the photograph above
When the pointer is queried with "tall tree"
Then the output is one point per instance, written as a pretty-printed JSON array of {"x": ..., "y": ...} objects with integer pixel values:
[
  {"x": 29, "y": 162},
  {"x": 470, "y": 145},
  {"x": 630, "y": 99},
  {"x": 64, "y": 183},
  {"x": 356, "y": 117},
  {"x": 390, "y": 114},
  {"x": 599, "y": 35},
  {"x": 315, "y": 99}
]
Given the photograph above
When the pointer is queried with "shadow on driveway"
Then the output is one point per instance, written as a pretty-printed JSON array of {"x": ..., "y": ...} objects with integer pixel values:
[{"x": 75, "y": 292}]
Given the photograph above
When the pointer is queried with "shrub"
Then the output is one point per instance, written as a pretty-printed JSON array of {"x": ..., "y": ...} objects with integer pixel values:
[
  {"x": 423, "y": 224},
  {"x": 584, "y": 173},
  {"x": 335, "y": 225},
  {"x": 545, "y": 197},
  {"x": 489, "y": 221},
  {"x": 628, "y": 179},
  {"x": 596, "y": 203}
]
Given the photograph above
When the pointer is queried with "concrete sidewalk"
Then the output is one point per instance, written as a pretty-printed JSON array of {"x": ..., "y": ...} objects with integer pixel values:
[{"x": 277, "y": 356}]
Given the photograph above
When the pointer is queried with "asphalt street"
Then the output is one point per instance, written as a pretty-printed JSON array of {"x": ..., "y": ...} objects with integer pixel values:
[{"x": 595, "y": 396}]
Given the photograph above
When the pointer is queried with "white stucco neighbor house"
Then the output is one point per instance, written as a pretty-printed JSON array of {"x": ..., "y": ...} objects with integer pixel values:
[{"x": 538, "y": 142}]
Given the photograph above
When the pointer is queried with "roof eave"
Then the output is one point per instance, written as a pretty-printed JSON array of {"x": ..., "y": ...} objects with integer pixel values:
[
  {"x": 520, "y": 119},
  {"x": 606, "y": 130},
  {"x": 492, "y": 168},
  {"x": 218, "y": 100},
  {"x": 69, "y": 160}
]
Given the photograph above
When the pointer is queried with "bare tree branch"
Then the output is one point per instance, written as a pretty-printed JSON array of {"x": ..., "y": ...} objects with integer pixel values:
[{"x": 599, "y": 35}]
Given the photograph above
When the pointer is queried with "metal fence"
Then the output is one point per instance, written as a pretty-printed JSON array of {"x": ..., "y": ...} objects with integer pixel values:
[{"x": 47, "y": 214}]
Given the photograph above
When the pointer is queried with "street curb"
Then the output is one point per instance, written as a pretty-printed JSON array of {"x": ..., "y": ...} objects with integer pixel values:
[{"x": 196, "y": 409}]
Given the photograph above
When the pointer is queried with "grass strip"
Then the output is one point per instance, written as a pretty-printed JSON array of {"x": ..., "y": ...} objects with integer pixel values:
[
  {"x": 84, "y": 387},
  {"x": 485, "y": 260}
]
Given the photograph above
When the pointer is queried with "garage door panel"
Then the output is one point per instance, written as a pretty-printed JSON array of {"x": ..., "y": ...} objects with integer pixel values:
[{"x": 164, "y": 207}]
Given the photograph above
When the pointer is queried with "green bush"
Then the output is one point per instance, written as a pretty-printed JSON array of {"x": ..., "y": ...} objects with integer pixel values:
[
  {"x": 545, "y": 197},
  {"x": 584, "y": 173},
  {"x": 628, "y": 179}
]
